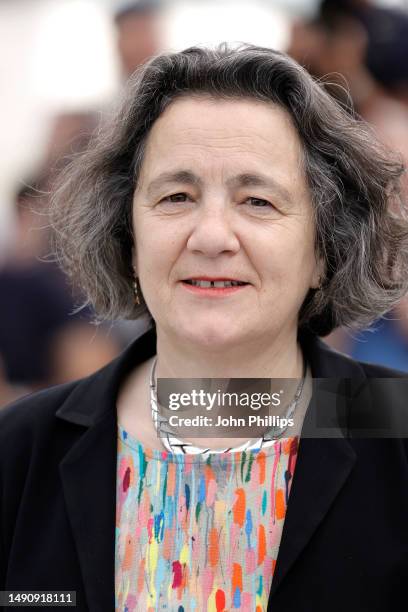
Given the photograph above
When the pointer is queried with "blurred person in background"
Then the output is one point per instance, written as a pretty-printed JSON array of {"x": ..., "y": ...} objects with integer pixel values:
[
  {"x": 35, "y": 298},
  {"x": 387, "y": 47},
  {"x": 70, "y": 134},
  {"x": 345, "y": 46},
  {"x": 42, "y": 341},
  {"x": 138, "y": 32},
  {"x": 361, "y": 50}
]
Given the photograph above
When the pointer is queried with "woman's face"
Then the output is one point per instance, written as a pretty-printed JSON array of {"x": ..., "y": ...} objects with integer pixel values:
[{"x": 222, "y": 195}]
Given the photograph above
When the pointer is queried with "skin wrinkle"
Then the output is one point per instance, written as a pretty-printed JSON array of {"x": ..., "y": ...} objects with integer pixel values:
[
  {"x": 217, "y": 153},
  {"x": 187, "y": 177}
]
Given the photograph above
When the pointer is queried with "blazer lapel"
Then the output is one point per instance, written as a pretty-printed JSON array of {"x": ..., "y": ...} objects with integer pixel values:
[
  {"x": 323, "y": 464},
  {"x": 88, "y": 475},
  {"x": 322, "y": 468},
  {"x": 88, "y": 471}
]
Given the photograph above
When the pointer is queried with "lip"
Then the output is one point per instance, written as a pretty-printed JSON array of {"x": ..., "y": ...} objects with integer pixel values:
[
  {"x": 214, "y": 278},
  {"x": 212, "y": 292}
]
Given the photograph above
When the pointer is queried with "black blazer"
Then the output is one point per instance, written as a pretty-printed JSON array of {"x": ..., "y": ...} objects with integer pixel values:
[{"x": 344, "y": 545}]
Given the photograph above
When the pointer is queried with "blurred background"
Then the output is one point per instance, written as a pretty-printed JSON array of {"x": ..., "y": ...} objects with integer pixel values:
[{"x": 64, "y": 63}]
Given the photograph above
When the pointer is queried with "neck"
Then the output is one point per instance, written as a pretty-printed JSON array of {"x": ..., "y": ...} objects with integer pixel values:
[{"x": 280, "y": 358}]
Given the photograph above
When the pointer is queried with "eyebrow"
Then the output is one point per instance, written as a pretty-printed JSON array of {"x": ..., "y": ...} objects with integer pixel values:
[
  {"x": 246, "y": 179},
  {"x": 260, "y": 180},
  {"x": 179, "y": 176}
]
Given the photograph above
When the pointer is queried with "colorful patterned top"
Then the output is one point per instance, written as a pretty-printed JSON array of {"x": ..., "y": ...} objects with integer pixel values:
[{"x": 195, "y": 534}]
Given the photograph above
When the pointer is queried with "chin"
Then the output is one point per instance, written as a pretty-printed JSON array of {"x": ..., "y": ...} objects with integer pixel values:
[{"x": 216, "y": 338}]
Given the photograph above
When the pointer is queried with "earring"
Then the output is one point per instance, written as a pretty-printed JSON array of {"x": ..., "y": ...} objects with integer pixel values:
[
  {"x": 319, "y": 292},
  {"x": 136, "y": 291}
]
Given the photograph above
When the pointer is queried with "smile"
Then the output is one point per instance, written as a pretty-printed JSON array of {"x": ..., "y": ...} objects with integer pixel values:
[
  {"x": 213, "y": 288},
  {"x": 214, "y": 283}
]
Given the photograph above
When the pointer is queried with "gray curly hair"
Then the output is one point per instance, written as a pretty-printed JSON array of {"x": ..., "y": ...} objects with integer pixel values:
[{"x": 361, "y": 226}]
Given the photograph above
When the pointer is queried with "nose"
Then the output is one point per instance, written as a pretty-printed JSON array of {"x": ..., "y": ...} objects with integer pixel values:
[{"x": 212, "y": 232}]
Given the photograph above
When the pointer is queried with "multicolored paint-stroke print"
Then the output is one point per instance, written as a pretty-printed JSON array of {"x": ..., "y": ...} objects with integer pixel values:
[{"x": 199, "y": 535}]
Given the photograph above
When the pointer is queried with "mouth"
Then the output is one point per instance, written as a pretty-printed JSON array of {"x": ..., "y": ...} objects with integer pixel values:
[
  {"x": 214, "y": 283},
  {"x": 213, "y": 287}
]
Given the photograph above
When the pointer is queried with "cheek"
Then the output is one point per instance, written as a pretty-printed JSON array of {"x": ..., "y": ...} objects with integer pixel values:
[
  {"x": 147, "y": 242},
  {"x": 156, "y": 258},
  {"x": 287, "y": 257},
  {"x": 150, "y": 259},
  {"x": 281, "y": 248}
]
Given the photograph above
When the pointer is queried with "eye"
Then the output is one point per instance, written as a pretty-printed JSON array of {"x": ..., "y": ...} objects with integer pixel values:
[
  {"x": 259, "y": 202},
  {"x": 175, "y": 197}
]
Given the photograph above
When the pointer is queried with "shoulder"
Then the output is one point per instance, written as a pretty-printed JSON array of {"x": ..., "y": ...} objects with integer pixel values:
[
  {"x": 32, "y": 442},
  {"x": 330, "y": 362},
  {"x": 373, "y": 370},
  {"x": 375, "y": 395},
  {"x": 81, "y": 402},
  {"x": 380, "y": 405},
  {"x": 30, "y": 417},
  {"x": 370, "y": 370},
  {"x": 35, "y": 407}
]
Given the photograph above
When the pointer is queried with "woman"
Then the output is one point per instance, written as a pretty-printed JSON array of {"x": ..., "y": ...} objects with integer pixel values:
[{"x": 248, "y": 214}]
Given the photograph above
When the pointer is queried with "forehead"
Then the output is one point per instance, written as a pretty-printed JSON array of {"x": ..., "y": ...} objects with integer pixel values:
[{"x": 212, "y": 133}]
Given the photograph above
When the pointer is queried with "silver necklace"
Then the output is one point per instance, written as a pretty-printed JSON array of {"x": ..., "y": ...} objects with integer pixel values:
[{"x": 176, "y": 446}]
